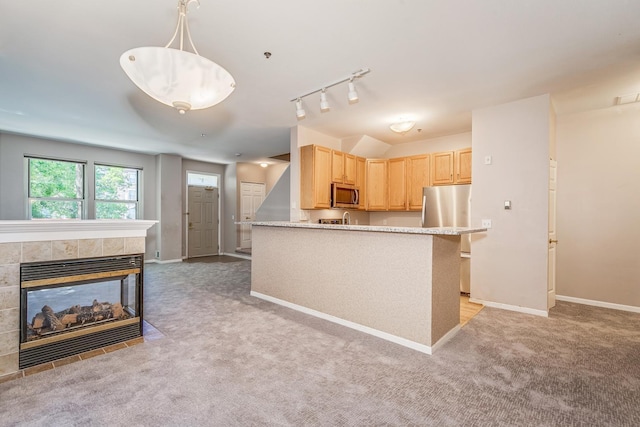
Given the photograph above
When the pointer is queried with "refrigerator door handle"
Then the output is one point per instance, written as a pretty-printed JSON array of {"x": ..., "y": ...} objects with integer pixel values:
[{"x": 424, "y": 209}]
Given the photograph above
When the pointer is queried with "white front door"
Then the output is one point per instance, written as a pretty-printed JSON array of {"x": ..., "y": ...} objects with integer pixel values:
[
  {"x": 202, "y": 223},
  {"x": 553, "y": 237},
  {"x": 251, "y": 197}
]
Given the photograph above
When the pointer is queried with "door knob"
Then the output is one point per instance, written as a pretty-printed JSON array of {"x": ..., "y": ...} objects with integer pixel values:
[{"x": 552, "y": 241}]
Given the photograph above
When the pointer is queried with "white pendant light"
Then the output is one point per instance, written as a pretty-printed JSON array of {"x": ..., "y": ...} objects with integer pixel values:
[
  {"x": 175, "y": 77},
  {"x": 324, "y": 104},
  {"x": 402, "y": 127}
]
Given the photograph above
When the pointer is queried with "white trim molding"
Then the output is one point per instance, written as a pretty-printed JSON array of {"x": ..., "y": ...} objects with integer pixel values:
[
  {"x": 67, "y": 229},
  {"x": 358, "y": 327},
  {"x": 526, "y": 310},
  {"x": 603, "y": 304}
]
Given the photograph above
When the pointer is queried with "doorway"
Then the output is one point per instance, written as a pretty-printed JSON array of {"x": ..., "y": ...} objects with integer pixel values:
[
  {"x": 251, "y": 197},
  {"x": 202, "y": 221}
]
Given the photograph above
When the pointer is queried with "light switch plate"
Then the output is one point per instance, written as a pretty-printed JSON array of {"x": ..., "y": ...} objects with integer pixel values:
[
  {"x": 487, "y": 160},
  {"x": 486, "y": 223}
]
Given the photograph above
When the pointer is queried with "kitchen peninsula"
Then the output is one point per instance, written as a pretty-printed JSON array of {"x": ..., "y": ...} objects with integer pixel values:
[{"x": 401, "y": 284}]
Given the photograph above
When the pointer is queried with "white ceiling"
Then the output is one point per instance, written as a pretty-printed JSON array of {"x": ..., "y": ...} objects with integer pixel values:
[{"x": 434, "y": 60}]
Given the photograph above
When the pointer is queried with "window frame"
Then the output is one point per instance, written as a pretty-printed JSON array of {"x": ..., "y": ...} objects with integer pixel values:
[
  {"x": 139, "y": 196},
  {"x": 29, "y": 198}
]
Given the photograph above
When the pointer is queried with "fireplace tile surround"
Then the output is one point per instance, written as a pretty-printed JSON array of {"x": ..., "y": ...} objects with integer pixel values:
[{"x": 34, "y": 241}]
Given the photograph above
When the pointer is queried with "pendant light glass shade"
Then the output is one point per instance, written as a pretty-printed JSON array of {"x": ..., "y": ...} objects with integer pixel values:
[{"x": 175, "y": 77}]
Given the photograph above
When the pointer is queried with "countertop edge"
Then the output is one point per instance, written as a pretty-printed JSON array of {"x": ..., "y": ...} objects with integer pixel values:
[{"x": 450, "y": 231}]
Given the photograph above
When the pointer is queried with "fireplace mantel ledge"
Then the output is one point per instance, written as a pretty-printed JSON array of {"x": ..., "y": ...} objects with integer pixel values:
[{"x": 52, "y": 229}]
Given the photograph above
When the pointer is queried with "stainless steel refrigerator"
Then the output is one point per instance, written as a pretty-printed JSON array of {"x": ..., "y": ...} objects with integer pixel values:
[{"x": 450, "y": 206}]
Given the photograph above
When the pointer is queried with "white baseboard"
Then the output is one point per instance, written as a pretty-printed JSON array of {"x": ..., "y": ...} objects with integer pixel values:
[
  {"x": 236, "y": 255},
  {"x": 358, "y": 327},
  {"x": 167, "y": 261},
  {"x": 526, "y": 310},
  {"x": 631, "y": 308}
]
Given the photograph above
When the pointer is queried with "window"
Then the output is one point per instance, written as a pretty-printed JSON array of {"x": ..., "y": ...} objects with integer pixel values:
[
  {"x": 56, "y": 188},
  {"x": 202, "y": 180},
  {"x": 117, "y": 192}
]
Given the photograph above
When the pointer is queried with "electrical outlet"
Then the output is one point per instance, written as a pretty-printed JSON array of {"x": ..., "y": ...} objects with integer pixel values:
[
  {"x": 486, "y": 223},
  {"x": 487, "y": 160},
  {"x": 384, "y": 222}
]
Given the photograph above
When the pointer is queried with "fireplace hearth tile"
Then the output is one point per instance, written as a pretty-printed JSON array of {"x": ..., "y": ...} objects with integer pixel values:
[
  {"x": 134, "y": 341},
  {"x": 9, "y": 363},
  {"x": 10, "y": 253},
  {"x": 11, "y": 377},
  {"x": 36, "y": 251},
  {"x": 37, "y": 369},
  {"x": 92, "y": 353},
  {"x": 90, "y": 248},
  {"x": 9, "y": 275},
  {"x": 64, "y": 249},
  {"x": 115, "y": 347},
  {"x": 113, "y": 246},
  {"x": 66, "y": 361}
]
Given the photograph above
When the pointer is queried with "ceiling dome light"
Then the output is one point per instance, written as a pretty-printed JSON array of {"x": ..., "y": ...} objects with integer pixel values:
[
  {"x": 264, "y": 165},
  {"x": 177, "y": 78},
  {"x": 324, "y": 104},
  {"x": 300, "y": 113},
  {"x": 402, "y": 127}
]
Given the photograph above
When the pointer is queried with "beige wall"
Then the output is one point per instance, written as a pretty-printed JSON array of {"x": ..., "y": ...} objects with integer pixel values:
[
  {"x": 509, "y": 262},
  {"x": 599, "y": 205}
]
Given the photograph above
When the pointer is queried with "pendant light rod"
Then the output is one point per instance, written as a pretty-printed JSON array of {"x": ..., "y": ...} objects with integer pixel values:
[
  {"x": 183, "y": 24},
  {"x": 355, "y": 75}
]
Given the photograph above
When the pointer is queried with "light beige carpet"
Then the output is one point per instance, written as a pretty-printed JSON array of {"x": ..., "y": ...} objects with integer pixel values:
[{"x": 228, "y": 359}]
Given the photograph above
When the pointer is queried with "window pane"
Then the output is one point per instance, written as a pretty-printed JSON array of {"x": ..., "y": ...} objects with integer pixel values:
[
  {"x": 202, "y": 180},
  {"x": 116, "y": 183},
  {"x": 54, "y": 178},
  {"x": 116, "y": 210},
  {"x": 56, "y": 209}
]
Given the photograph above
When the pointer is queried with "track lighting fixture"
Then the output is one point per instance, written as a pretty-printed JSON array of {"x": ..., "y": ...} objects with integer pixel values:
[
  {"x": 352, "y": 95},
  {"x": 324, "y": 104},
  {"x": 300, "y": 113}
]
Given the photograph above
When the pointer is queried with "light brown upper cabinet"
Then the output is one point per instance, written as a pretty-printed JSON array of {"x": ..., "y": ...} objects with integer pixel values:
[
  {"x": 442, "y": 171},
  {"x": 463, "y": 166},
  {"x": 418, "y": 177},
  {"x": 343, "y": 168},
  {"x": 315, "y": 177},
  {"x": 397, "y": 184},
  {"x": 361, "y": 181},
  {"x": 451, "y": 167},
  {"x": 377, "y": 191}
]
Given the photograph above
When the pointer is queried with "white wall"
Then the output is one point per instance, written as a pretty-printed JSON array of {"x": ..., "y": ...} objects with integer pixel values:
[
  {"x": 509, "y": 262},
  {"x": 433, "y": 145},
  {"x": 13, "y": 148},
  {"x": 599, "y": 205}
]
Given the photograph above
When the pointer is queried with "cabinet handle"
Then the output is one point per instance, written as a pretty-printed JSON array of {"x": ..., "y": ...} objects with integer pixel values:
[{"x": 552, "y": 241}]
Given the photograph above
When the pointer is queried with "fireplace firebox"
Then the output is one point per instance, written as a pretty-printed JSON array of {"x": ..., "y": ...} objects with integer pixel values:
[{"x": 70, "y": 307}]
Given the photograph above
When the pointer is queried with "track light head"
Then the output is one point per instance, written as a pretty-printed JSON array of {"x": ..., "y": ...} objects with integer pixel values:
[
  {"x": 300, "y": 113},
  {"x": 324, "y": 104},
  {"x": 353, "y": 95}
]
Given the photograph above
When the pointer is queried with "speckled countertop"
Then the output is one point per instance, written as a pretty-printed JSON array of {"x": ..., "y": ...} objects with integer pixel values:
[{"x": 451, "y": 231}]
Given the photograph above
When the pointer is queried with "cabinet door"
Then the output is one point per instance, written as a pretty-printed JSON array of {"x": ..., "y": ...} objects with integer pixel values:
[
  {"x": 315, "y": 177},
  {"x": 417, "y": 178},
  {"x": 377, "y": 185},
  {"x": 397, "y": 185},
  {"x": 337, "y": 166},
  {"x": 350, "y": 169},
  {"x": 442, "y": 171},
  {"x": 361, "y": 182},
  {"x": 463, "y": 166}
]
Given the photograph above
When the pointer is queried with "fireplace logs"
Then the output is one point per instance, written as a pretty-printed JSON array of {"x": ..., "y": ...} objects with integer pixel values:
[{"x": 47, "y": 321}]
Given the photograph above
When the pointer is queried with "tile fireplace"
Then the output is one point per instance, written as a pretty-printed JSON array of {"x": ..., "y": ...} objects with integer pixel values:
[{"x": 98, "y": 303}]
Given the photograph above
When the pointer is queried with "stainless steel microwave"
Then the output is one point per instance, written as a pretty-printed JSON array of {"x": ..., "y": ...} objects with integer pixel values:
[{"x": 344, "y": 196}]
